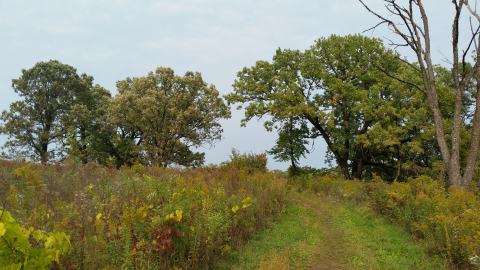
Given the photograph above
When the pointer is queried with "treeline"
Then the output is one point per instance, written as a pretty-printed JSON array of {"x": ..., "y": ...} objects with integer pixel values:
[
  {"x": 365, "y": 101},
  {"x": 157, "y": 119}
]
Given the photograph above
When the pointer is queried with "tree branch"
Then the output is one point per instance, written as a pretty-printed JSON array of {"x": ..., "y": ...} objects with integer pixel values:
[{"x": 398, "y": 79}]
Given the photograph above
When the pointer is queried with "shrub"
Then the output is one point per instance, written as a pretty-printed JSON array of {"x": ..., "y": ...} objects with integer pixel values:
[
  {"x": 307, "y": 170},
  {"x": 249, "y": 162}
]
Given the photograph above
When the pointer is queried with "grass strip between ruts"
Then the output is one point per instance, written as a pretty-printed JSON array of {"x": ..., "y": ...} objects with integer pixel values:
[
  {"x": 287, "y": 244},
  {"x": 324, "y": 233}
]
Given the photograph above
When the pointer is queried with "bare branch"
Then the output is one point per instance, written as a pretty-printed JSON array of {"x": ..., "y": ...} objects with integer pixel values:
[
  {"x": 373, "y": 28},
  {"x": 469, "y": 76},
  {"x": 408, "y": 63},
  {"x": 445, "y": 58},
  {"x": 474, "y": 13},
  {"x": 398, "y": 79},
  {"x": 395, "y": 44},
  {"x": 471, "y": 29},
  {"x": 468, "y": 48},
  {"x": 390, "y": 23}
]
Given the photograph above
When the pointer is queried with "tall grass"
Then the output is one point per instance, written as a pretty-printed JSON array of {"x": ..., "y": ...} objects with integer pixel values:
[{"x": 141, "y": 217}]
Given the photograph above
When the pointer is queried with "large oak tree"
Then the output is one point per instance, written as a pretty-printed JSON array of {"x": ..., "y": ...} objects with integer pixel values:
[
  {"x": 353, "y": 105},
  {"x": 168, "y": 115},
  {"x": 33, "y": 124}
]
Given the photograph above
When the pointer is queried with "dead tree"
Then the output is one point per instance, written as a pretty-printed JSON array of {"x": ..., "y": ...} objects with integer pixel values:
[{"x": 416, "y": 35}]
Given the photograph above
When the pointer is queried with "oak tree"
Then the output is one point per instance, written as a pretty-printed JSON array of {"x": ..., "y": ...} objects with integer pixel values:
[
  {"x": 89, "y": 135},
  {"x": 168, "y": 115},
  {"x": 33, "y": 124},
  {"x": 347, "y": 100}
]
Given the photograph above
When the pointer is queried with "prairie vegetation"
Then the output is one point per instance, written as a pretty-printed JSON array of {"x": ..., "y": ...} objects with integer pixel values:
[
  {"x": 117, "y": 182},
  {"x": 136, "y": 217}
]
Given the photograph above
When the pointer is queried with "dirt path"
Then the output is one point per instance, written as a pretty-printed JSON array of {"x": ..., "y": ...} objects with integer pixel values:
[
  {"x": 320, "y": 232},
  {"x": 332, "y": 251}
]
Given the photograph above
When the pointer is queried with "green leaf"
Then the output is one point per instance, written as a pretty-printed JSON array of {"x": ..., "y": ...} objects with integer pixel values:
[
  {"x": 6, "y": 217},
  {"x": 16, "y": 266},
  {"x": 49, "y": 241},
  {"x": 2, "y": 229},
  {"x": 39, "y": 235}
]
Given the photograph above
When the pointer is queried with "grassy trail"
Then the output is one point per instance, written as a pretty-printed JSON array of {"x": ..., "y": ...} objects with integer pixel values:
[
  {"x": 332, "y": 252},
  {"x": 322, "y": 233}
]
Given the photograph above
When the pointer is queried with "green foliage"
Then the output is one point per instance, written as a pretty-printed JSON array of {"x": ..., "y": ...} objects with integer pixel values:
[
  {"x": 248, "y": 162},
  {"x": 290, "y": 145},
  {"x": 89, "y": 136},
  {"x": 167, "y": 115},
  {"x": 366, "y": 118},
  {"x": 156, "y": 119},
  {"x": 48, "y": 90},
  {"x": 16, "y": 251},
  {"x": 307, "y": 170}
]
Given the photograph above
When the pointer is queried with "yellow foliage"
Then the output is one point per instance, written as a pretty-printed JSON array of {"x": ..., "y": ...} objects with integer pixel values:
[
  {"x": 31, "y": 176},
  {"x": 110, "y": 213}
]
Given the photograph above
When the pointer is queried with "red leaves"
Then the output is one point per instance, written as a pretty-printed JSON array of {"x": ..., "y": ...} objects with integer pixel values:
[{"x": 163, "y": 238}]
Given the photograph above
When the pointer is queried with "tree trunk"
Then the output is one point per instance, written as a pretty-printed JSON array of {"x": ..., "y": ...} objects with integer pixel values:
[
  {"x": 294, "y": 168},
  {"x": 342, "y": 162},
  {"x": 292, "y": 158},
  {"x": 344, "y": 168},
  {"x": 357, "y": 169},
  {"x": 83, "y": 147},
  {"x": 44, "y": 153},
  {"x": 44, "y": 143},
  {"x": 475, "y": 141}
]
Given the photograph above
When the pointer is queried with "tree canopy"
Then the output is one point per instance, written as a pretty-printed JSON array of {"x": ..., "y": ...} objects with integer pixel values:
[
  {"x": 167, "y": 115},
  {"x": 49, "y": 90},
  {"x": 346, "y": 99},
  {"x": 88, "y": 133}
]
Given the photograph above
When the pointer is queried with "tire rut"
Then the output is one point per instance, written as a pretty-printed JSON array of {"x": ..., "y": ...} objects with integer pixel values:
[{"x": 332, "y": 251}]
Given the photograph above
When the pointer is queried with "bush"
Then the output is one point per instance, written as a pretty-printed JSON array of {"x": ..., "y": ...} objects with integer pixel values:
[
  {"x": 307, "y": 170},
  {"x": 249, "y": 162},
  {"x": 448, "y": 220}
]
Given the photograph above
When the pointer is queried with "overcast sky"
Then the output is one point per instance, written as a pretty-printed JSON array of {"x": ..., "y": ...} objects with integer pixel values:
[{"x": 112, "y": 40}]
